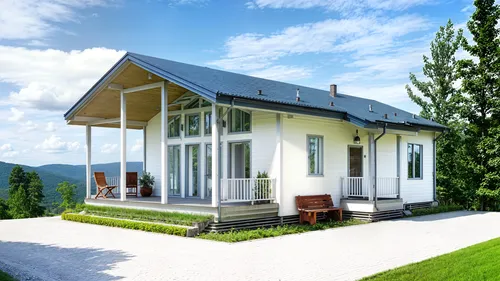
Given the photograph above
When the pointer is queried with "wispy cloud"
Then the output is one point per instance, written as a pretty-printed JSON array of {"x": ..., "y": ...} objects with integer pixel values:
[
  {"x": 28, "y": 19},
  {"x": 343, "y": 6},
  {"x": 55, "y": 144}
]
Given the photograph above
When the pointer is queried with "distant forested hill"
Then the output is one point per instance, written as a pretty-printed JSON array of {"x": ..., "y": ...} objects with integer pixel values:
[{"x": 53, "y": 174}]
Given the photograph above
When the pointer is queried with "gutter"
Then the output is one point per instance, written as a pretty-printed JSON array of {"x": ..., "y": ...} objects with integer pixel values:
[
  {"x": 434, "y": 154},
  {"x": 375, "y": 156}
]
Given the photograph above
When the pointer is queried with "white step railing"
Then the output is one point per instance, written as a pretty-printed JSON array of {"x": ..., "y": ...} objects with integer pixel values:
[
  {"x": 362, "y": 187},
  {"x": 248, "y": 190}
]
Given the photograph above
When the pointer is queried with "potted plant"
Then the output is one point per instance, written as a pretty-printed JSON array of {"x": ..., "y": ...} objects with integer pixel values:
[{"x": 146, "y": 181}]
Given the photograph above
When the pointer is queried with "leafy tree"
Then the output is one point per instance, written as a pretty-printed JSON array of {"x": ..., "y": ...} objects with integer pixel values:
[
  {"x": 25, "y": 194},
  {"x": 67, "y": 192},
  {"x": 439, "y": 102},
  {"x": 4, "y": 210},
  {"x": 480, "y": 102}
]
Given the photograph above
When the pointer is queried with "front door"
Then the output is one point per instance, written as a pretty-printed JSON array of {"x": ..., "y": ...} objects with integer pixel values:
[
  {"x": 356, "y": 184},
  {"x": 174, "y": 171},
  {"x": 239, "y": 158},
  {"x": 192, "y": 171},
  {"x": 355, "y": 161}
]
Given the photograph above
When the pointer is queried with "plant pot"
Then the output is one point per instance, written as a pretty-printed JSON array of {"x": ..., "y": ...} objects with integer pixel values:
[{"x": 146, "y": 191}]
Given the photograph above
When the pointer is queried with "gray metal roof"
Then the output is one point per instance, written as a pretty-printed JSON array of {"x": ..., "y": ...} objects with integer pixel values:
[{"x": 216, "y": 84}]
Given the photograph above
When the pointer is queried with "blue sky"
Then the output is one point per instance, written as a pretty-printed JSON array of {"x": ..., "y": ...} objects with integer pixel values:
[{"x": 52, "y": 51}]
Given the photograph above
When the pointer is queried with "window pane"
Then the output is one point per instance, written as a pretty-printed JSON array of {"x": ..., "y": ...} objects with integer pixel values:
[
  {"x": 240, "y": 121},
  {"x": 418, "y": 156},
  {"x": 174, "y": 169},
  {"x": 208, "y": 123},
  {"x": 174, "y": 127},
  {"x": 246, "y": 121},
  {"x": 247, "y": 160},
  {"x": 205, "y": 103},
  {"x": 315, "y": 155},
  {"x": 193, "y": 125},
  {"x": 410, "y": 161}
]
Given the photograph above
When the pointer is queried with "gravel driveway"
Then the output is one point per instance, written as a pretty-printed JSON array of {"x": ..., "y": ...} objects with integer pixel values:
[{"x": 52, "y": 249}]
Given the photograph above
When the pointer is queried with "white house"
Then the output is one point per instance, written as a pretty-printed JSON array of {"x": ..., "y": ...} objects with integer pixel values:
[{"x": 372, "y": 158}]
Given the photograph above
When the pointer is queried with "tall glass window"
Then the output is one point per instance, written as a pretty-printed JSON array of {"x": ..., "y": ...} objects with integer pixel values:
[
  {"x": 174, "y": 171},
  {"x": 193, "y": 125},
  {"x": 208, "y": 123},
  {"x": 415, "y": 161},
  {"x": 315, "y": 155},
  {"x": 240, "y": 121},
  {"x": 174, "y": 125}
]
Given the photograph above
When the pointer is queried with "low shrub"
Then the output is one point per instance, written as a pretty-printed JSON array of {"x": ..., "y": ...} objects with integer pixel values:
[
  {"x": 144, "y": 215},
  {"x": 144, "y": 226},
  {"x": 244, "y": 235},
  {"x": 436, "y": 210}
]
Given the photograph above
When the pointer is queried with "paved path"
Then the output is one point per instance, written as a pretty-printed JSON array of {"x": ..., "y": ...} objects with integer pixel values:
[{"x": 52, "y": 249}]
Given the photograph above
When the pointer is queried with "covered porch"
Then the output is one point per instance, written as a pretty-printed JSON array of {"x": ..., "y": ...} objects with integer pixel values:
[{"x": 180, "y": 122}]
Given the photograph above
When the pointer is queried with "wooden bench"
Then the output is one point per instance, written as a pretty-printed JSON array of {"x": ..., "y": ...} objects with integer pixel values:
[{"x": 309, "y": 206}]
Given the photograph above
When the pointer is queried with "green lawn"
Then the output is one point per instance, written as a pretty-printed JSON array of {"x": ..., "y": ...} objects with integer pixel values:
[
  {"x": 143, "y": 215},
  {"x": 436, "y": 210},
  {"x": 5, "y": 277},
  {"x": 476, "y": 263},
  {"x": 244, "y": 235}
]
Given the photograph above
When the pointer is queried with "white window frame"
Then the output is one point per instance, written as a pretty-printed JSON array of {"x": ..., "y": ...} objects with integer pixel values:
[
  {"x": 230, "y": 117},
  {"x": 421, "y": 148},
  {"x": 174, "y": 118},
  {"x": 319, "y": 158},
  {"x": 186, "y": 125}
]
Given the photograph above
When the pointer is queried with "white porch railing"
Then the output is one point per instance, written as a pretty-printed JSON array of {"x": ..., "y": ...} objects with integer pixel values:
[
  {"x": 248, "y": 190},
  {"x": 113, "y": 181},
  {"x": 362, "y": 187}
]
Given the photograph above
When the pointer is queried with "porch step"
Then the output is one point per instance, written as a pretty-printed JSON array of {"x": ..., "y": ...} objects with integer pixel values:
[
  {"x": 419, "y": 205},
  {"x": 249, "y": 212},
  {"x": 255, "y": 223},
  {"x": 375, "y": 216}
]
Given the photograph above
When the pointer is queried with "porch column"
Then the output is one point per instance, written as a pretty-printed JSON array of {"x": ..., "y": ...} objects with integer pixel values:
[
  {"x": 164, "y": 143},
  {"x": 88, "y": 154},
  {"x": 371, "y": 161},
  {"x": 203, "y": 170},
  {"x": 123, "y": 146},
  {"x": 183, "y": 155},
  {"x": 144, "y": 151},
  {"x": 398, "y": 163},
  {"x": 279, "y": 162},
  {"x": 215, "y": 157}
]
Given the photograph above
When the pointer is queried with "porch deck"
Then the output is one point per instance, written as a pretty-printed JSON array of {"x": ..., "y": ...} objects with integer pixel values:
[{"x": 229, "y": 211}]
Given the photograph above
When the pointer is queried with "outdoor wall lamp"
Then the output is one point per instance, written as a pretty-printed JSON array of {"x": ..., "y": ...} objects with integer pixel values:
[
  {"x": 357, "y": 140},
  {"x": 182, "y": 127}
]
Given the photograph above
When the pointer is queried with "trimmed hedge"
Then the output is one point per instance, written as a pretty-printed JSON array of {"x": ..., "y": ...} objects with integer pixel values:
[
  {"x": 144, "y": 226},
  {"x": 144, "y": 215},
  {"x": 436, "y": 210}
]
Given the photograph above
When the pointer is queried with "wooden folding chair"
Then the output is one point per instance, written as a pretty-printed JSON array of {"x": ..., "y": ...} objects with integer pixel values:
[
  {"x": 100, "y": 181},
  {"x": 132, "y": 184}
]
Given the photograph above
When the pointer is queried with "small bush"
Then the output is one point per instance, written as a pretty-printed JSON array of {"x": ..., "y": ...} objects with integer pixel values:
[
  {"x": 144, "y": 215},
  {"x": 436, "y": 210},
  {"x": 144, "y": 226},
  {"x": 244, "y": 235}
]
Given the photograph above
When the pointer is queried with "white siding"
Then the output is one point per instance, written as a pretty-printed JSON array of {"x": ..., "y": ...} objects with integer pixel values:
[
  {"x": 386, "y": 156},
  {"x": 336, "y": 138},
  {"x": 263, "y": 141},
  {"x": 417, "y": 190}
]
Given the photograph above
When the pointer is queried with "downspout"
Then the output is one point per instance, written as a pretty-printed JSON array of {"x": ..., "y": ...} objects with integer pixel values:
[
  {"x": 220, "y": 121},
  {"x": 375, "y": 157},
  {"x": 434, "y": 154}
]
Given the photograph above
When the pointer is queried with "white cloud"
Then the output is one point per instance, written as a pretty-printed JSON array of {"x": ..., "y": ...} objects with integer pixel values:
[
  {"x": 6, "y": 151},
  {"x": 343, "y": 6},
  {"x": 358, "y": 35},
  {"x": 52, "y": 79},
  {"x": 27, "y": 126},
  {"x": 51, "y": 127},
  {"x": 17, "y": 115},
  {"x": 54, "y": 144},
  {"x": 109, "y": 148},
  {"x": 28, "y": 19},
  {"x": 139, "y": 143}
]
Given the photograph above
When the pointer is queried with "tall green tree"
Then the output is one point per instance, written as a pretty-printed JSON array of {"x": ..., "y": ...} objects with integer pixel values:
[
  {"x": 480, "y": 102},
  {"x": 25, "y": 194},
  {"x": 438, "y": 102},
  {"x": 4, "y": 210},
  {"x": 67, "y": 192}
]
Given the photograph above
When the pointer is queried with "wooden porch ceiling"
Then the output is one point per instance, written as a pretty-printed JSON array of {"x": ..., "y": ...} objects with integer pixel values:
[{"x": 141, "y": 106}]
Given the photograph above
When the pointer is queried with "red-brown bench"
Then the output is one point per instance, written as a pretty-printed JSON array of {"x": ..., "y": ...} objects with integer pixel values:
[{"x": 308, "y": 206}]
